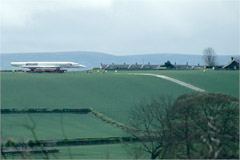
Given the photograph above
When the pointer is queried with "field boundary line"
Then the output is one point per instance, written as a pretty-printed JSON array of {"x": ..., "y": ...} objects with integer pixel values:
[
  {"x": 48, "y": 144},
  {"x": 171, "y": 79},
  {"x": 45, "y": 110},
  {"x": 109, "y": 120}
]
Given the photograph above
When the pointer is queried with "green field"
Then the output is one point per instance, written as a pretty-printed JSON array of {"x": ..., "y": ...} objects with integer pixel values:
[
  {"x": 113, "y": 94},
  {"x": 56, "y": 126},
  {"x": 213, "y": 81},
  {"x": 109, "y": 93}
]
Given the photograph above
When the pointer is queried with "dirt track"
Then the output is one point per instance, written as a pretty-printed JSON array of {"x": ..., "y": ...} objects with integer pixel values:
[{"x": 173, "y": 80}]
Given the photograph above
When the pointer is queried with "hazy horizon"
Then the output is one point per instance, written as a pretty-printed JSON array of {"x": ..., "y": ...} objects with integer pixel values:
[{"x": 79, "y": 52}]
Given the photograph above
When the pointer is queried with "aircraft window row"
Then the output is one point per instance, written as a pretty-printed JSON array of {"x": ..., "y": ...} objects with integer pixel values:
[{"x": 31, "y": 64}]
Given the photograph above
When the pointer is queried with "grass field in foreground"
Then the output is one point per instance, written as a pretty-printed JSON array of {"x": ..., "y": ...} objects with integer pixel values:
[
  {"x": 112, "y": 94},
  {"x": 48, "y": 126}
]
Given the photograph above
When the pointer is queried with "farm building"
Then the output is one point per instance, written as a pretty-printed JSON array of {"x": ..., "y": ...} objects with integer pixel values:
[
  {"x": 182, "y": 67},
  {"x": 130, "y": 67},
  {"x": 147, "y": 67},
  {"x": 233, "y": 64}
]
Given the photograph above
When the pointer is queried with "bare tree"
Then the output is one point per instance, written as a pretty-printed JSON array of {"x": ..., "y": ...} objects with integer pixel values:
[
  {"x": 32, "y": 128},
  {"x": 152, "y": 127},
  {"x": 209, "y": 57},
  {"x": 65, "y": 136}
]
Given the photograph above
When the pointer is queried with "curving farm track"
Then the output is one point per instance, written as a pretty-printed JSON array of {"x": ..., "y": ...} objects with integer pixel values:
[{"x": 173, "y": 80}]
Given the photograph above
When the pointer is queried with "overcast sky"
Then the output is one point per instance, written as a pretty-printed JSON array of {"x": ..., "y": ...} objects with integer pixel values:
[{"x": 120, "y": 27}]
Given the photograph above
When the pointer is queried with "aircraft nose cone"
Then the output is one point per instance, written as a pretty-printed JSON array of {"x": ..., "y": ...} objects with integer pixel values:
[{"x": 82, "y": 66}]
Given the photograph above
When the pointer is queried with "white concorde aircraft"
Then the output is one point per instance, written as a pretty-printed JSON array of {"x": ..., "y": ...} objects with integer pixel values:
[{"x": 37, "y": 65}]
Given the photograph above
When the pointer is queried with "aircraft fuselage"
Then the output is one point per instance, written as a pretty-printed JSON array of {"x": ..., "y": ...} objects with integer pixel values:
[{"x": 57, "y": 65}]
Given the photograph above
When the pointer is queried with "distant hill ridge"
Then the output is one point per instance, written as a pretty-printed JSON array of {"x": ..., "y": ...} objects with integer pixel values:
[{"x": 93, "y": 59}]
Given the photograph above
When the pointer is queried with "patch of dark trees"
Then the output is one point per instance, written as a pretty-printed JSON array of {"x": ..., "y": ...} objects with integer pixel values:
[{"x": 194, "y": 126}]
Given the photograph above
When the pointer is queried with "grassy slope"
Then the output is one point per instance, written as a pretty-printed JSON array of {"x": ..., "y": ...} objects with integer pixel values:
[
  {"x": 48, "y": 126},
  {"x": 112, "y": 94},
  {"x": 214, "y": 81}
]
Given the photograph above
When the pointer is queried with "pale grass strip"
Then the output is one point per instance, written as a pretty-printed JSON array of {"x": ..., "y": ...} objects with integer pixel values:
[{"x": 173, "y": 80}]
